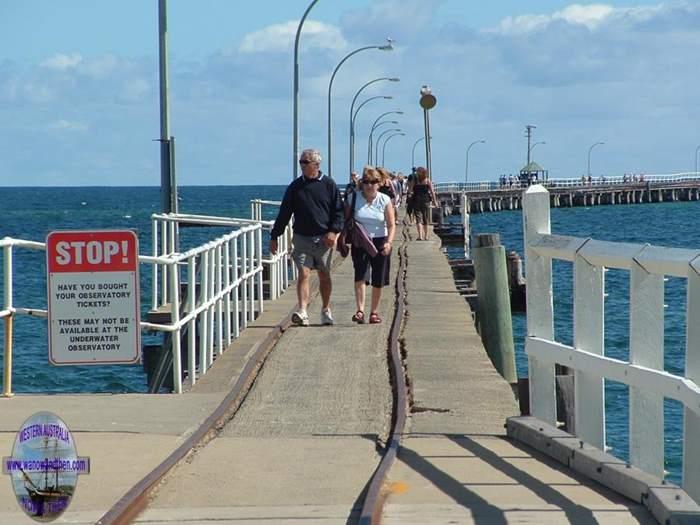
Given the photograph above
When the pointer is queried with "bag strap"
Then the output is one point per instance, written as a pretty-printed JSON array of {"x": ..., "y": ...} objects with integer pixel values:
[{"x": 351, "y": 212}]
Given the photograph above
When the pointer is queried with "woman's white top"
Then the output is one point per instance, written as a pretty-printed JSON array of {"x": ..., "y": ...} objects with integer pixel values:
[{"x": 371, "y": 215}]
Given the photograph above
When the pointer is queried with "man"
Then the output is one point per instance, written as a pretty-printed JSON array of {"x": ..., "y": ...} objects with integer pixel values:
[{"x": 315, "y": 202}]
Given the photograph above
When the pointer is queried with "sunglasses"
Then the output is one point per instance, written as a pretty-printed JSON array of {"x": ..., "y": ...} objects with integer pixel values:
[
  {"x": 370, "y": 182},
  {"x": 305, "y": 162}
]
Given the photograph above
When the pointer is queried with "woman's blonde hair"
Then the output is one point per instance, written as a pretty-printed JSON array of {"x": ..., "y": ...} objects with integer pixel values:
[
  {"x": 371, "y": 174},
  {"x": 384, "y": 174}
]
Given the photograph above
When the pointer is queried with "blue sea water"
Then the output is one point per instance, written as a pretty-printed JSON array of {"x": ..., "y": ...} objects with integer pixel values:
[{"x": 31, "y": 213}]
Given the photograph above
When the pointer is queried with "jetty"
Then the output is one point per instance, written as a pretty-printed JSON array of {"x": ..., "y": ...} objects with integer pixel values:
[
  {"x": 406, "y": 421},
  {"x": 495, "y": 196}
]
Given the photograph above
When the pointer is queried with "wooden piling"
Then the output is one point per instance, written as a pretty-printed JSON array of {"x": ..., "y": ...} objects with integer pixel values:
[{"x": 495, "y": 323}]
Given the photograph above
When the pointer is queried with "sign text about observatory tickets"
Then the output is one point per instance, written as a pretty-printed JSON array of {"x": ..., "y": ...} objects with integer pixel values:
[{"x": 93, "y": 302}]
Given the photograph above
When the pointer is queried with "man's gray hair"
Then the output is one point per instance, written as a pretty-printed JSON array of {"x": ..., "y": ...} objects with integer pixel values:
[{"x": 312, "y": 154}]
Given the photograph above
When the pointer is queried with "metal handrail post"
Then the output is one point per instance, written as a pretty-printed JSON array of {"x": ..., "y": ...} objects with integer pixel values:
[
  {"x": 191, "y": 298},
  {"x": 175, "y": 320},
  {"x": 7, "y": 270}
]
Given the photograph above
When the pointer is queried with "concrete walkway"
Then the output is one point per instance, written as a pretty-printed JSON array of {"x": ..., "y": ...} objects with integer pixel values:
[
  {"x": 307, "y": 438},
  {"x": 304, "y": 443}
]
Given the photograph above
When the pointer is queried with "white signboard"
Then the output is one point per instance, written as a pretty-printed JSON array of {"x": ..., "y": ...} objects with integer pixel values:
[{"x": 93, "y": 302}]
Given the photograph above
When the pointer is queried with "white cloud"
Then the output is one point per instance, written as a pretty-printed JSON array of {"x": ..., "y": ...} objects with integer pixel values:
[
  {"x": 62, "y": 62},
  {"x": 591, "y": 16},
  {"x": 280, "y": 37},
  {"x": 69, "y": 125}
]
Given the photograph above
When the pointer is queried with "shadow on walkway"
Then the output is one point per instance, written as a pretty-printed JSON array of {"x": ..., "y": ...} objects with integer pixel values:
[{"x": 485, "y": 512}]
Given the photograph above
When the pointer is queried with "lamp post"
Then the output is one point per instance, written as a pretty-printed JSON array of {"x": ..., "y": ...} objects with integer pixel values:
[
  {"x": 589, "y": 155},
  {"x": 696, "y": 160},
  {"x": 295, "y": 147},
  {"x": 535, "y": 144},
  {"x": 375, "y": 127},
  {"x": 376, "y": 144},
  {"x": 427, "y": 102},
  {"x": 387, "y": 140},
  {"x": 354, "y": 118},
  {"x": 413, "y": 152},
  {"x": 466, "y": 169},
  {"x": 386, "y": 47},
  {"x": 376, "y": 124},
  {"x": 352, "y": 106}
]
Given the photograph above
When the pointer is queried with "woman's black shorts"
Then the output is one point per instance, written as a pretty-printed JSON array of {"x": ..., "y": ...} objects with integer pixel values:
[{"x": 374, "y": 270}]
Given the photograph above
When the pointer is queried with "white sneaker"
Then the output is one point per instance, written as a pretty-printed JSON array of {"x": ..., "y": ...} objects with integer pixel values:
[
  {"x": 326, "y": 316},
  {"x": 300, "y": 318}
]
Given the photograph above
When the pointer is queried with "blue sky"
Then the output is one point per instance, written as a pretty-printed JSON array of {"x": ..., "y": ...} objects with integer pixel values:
[{"x": 79, "y": 86}]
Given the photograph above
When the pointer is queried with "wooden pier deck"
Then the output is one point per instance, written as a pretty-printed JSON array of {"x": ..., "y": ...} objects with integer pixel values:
[{"x": 310, "y": 432}]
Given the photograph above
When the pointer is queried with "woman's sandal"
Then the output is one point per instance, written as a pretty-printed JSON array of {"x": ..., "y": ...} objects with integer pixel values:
[
  {"x": 374, "y": 318},
  {"x": 359, "y": 317}
]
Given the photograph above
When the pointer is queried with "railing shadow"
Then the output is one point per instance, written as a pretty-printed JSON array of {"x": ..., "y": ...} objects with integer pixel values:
[{"x": 486, "y": 513}]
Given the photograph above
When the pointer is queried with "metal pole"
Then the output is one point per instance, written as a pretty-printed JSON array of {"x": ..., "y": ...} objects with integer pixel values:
[
  {"x": 466, "y": 169},
  {"x": 330, "y": 85},
  {"x": 354, "y": 117},
  {"x": 173, "y": 178},
  {"x": 376, "y": 144},
  {"x": 696, "y": 160},
  {"x": 295, "y": 153},
  {"x": 589, "y": 155},
  {"x": 352, "y": 105},
  {"x": 387, "y": 140},
  {"x": 426, "y": 119},
  {"x": 375, "y": 125},
  {"x": 165, "y": 177},
  {"x": 7, "y": 375},
  {"x": 413, "y": 152}
]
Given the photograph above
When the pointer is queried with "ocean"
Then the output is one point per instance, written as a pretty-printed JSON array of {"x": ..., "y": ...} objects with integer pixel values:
[{"x": 31, "y": 213}]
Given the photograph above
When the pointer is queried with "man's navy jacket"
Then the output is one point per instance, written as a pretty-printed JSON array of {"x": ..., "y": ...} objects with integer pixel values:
[{"x": 315, "y": 204}]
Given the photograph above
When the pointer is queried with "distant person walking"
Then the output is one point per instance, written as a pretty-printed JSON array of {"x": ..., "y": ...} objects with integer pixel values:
[
  {"x": 422, "y": 194},
  {"x": 315, "y": 202},
  {"x": 375, "y": 212}
]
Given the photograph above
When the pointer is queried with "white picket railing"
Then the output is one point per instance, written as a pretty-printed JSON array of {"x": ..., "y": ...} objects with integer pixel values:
[
  {"x": 628, "y": 180},
  {"x": 644, "y": 373},
  {"x": 228, "y": 271}
]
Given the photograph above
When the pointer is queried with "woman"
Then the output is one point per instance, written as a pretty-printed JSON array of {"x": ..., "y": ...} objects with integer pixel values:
[
  {"x": 374, "y": 211},
  {"x": 422, "y": 194},
  {"x": 385, "y": 185}
]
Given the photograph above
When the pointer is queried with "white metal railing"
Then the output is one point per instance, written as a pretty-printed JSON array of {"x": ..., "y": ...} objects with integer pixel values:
[
  {"x": 644, "y": 373},
  {"x": 621, "y": 180},
  {"x": 229, "y": 272},
  {"x": 225, "y": 278},
  {"x": 285, "y": 268}
]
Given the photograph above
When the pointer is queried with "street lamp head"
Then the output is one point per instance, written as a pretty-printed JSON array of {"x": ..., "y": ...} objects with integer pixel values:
[
  {"x": 399, "y": 112},
  {"x": 388, "y": 46},
  {"x": 388, "y": 97},
  {"x": 482, "y": 142},
  {"x": 394, "y": 79}
]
